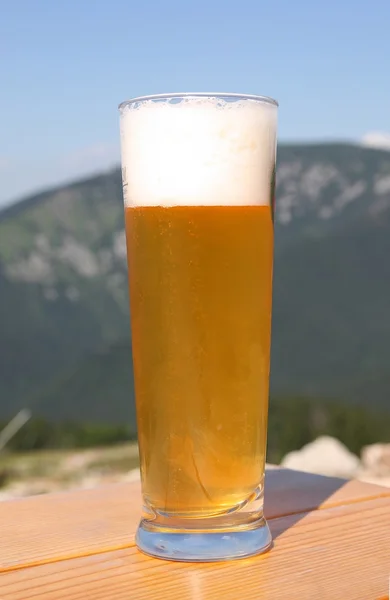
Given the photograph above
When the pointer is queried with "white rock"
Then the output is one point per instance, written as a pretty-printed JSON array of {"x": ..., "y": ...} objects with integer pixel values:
[
  {"x": 36, "y": 268},
  {"x": 79, "y": 257},
  {"x": 133, "y": 475},
  {"x": 325, "y": 456},
  {"x": 89, "y": 482},
  {"x": 376, "y": 459},
  {"x": 369, "y": 478},
  {"x": 119, "y": 244}
]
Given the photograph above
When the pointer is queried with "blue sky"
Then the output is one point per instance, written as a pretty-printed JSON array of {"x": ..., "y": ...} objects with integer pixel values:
[{"x": 65, "y": 66}]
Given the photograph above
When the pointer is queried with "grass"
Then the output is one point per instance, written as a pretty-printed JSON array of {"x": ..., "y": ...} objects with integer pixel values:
[{"x": 66, "y": 466}]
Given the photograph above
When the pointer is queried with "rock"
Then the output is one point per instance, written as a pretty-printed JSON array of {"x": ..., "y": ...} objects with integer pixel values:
[
  {"x": 89, "y": 482},
  {"x": 325, "y": 456},
  {"x": 78, "y": 461},
  {"x": 376, "y": 459},
  {"x": 133, "y": 475},
  {"x": 367, "y": 477}
]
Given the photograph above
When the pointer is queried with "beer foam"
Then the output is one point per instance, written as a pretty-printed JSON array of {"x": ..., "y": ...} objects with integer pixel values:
[{"x": 198, "y": 150}]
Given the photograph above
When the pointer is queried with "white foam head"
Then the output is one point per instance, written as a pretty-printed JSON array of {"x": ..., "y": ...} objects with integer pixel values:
[{"x": 201, "y": 150}]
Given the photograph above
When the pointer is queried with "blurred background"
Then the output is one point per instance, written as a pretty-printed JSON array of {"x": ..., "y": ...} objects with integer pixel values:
[{"x": 67, "y": 414}]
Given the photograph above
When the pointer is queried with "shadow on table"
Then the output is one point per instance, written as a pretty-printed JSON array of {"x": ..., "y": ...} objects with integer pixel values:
[{"x": 290, "y": 495}]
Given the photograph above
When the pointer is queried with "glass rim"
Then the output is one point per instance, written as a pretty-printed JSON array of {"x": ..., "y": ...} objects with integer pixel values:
[{"x": 261, "y": 99}]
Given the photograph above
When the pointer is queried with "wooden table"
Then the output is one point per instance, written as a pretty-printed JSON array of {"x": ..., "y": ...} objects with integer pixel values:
[{"x": 331, "y": 541}]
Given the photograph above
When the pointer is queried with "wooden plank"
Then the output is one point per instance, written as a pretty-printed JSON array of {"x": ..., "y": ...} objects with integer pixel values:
[
  {"x": 61, "y": 526},
  {"x": 66, "y": 525},
  {"x": 338, "y": 553}
]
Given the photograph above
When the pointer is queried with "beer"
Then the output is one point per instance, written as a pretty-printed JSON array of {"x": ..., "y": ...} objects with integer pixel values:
[
  {"x": 198, "y": 176},
  {"x": 200, "y": 286}
]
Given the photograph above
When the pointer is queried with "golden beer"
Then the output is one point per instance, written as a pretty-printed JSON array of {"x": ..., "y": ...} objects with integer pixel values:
[
  {"x": 198, "y": 179},
  {"x": 200, "y": 287}
]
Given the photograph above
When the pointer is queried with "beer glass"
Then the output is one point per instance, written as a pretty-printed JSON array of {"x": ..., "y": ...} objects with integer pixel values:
[{"x": 198, "y": 179}]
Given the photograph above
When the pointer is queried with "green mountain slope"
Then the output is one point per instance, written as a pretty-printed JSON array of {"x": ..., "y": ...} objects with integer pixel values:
[
  {"x": 331, "y": 332},
  {"x": 101, "y": 386},
  {"x": 63, "y": 283}
]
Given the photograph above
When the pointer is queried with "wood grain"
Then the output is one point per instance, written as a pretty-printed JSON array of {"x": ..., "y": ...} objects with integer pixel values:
[
  {"x": 45, "y": 529},
  {"x": 337, "y": 553}
]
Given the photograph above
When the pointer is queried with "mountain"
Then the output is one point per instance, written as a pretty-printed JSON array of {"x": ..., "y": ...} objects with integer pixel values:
[
  {"x": 64, "y": 301},
  {"x": 326, "y": 187},
  {"x": 100, "y": 385},
  {"x": 63, "y": 286},
  {"x": 331, "y": 313}
]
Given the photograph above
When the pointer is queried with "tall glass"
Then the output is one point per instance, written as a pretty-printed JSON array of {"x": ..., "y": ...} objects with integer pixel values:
[{"x": 198, "y": 179}]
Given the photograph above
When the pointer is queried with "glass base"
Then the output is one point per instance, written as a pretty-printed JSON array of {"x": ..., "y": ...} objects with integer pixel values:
[{"x": 210, "y": 546}]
